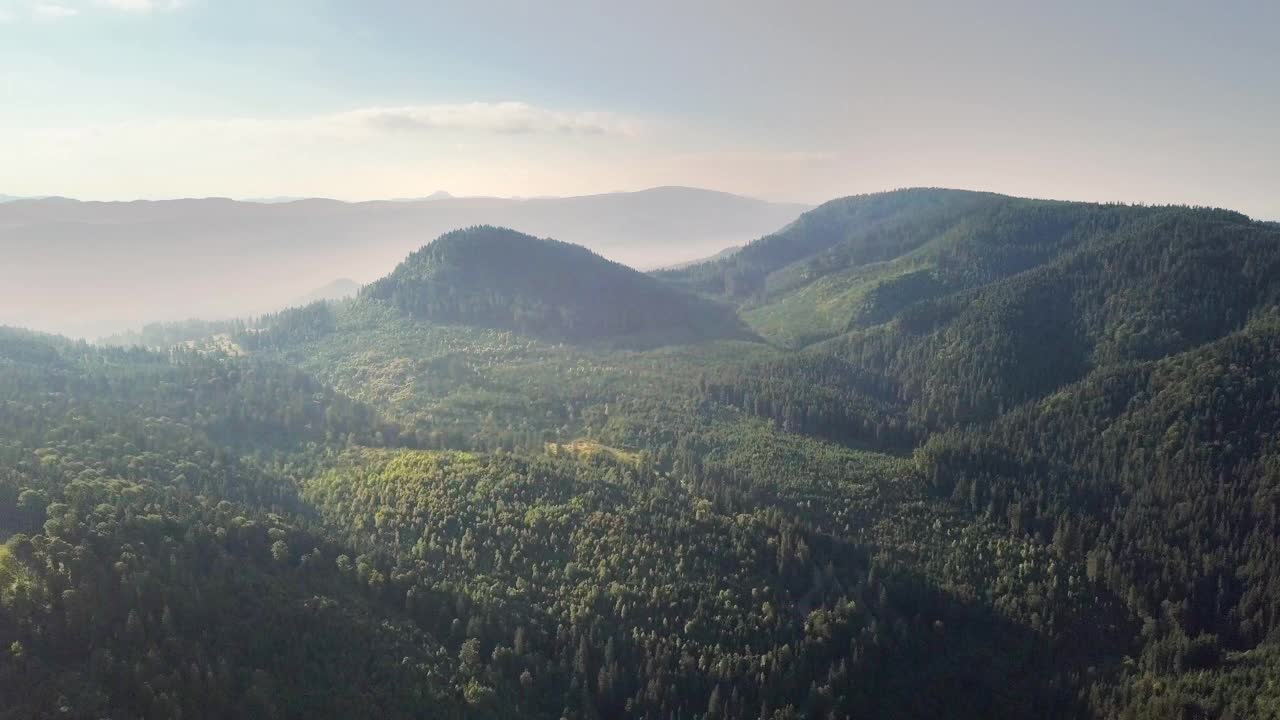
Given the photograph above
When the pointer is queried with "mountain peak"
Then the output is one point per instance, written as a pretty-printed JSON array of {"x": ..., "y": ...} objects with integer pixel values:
[{"x": 497, "y": 277}]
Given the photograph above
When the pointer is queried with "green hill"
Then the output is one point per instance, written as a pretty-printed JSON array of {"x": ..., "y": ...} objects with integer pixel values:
[
  {"x": 862, "y": 261},
  {"x": 498, "y": 278},
  {"x": 1145, "y": 468},
  {"x": 1100, "y": 378},
  {"x": 994, "y": 328}
]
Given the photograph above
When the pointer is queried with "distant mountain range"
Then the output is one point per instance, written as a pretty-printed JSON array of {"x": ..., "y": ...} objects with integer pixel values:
[
  {"x": 437, "y": 195},
  {"x": 94, "y": 268},
  {"x": 278, "y": 199}
]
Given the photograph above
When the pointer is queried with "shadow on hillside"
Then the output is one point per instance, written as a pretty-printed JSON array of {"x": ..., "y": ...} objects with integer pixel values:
[{"x": 950, "y": 658}]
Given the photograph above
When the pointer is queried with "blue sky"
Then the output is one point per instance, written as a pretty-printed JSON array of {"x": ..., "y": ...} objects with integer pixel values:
[{"x": 1160, "y": 102}]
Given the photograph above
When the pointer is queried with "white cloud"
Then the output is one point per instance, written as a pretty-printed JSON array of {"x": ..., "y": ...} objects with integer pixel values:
[
  {"x": 48, "y": 11},
  {"x": 142, "y": 6},
  {"x": 501, "y": 117}
]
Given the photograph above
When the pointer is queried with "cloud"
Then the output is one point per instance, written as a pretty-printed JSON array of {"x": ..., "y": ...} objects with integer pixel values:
[
  {"x": 52, "y": 10},
  {"x": 141, "y": 6},
  {"x": 502, "y": 117},
  {"x": 48, "y": 11}
]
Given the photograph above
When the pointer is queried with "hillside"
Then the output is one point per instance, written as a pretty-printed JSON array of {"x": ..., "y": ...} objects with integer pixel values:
[
  {"x": 90, "y": 269},
  {"x": 141, "y": 506},
  {"x": 1154, "y": 455},
  {"x": 1097, "y": 377},
  {"x": 849, "y": 231},
  {"x": 1018, "y": 307},
  {"x": 1020, "y": 462},
  {"x": 855, "y": 262},
  {"x": 498, "y": 278},
  {"x": 186, "y": 492}
]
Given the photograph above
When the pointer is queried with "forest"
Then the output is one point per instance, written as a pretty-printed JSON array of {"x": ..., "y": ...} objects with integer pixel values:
[{"x": 925, "y": 453}]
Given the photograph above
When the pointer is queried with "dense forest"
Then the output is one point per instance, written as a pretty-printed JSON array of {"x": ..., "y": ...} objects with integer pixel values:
[
  {"x": 494, "y": 277},
  {"x": 927, "y": 453}
]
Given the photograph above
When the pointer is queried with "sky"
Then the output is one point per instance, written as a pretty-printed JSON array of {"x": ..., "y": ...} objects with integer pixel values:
[{"x": 805, "y": 100}]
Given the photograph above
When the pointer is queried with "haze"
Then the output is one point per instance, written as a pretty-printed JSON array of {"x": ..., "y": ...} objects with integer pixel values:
[
  {"x": 88, "y": 269},
  {"x": 1155, "y": 102},
  {"x": 126, "y": 99}
]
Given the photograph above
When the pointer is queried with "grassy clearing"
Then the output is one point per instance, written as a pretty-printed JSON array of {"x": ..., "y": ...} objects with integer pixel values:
[{"x": 587, "y": 449}]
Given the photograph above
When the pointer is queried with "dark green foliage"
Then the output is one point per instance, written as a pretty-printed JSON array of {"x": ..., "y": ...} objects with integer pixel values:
[
  {"x": 1098, "y": 380},
  {"x": 498, "y": 278},
  {"x": 1161, "y": 474},
  {"x": 839, "y": 234},
  {"x": 135, "y": 603},
  {"x": 1168, "y": 281},
  {"x": 161, "y": 336},
  {"x": 289, "y": 327},
  {"x": 148, "y": 575},
  {"x": 664, "y": 590}
]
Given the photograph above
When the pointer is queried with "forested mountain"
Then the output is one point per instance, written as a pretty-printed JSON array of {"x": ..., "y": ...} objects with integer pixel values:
[
  {"x": 1142, "y": 467},
  {"x": 1039, "y": 297},
  {"x": 494, "y": 277},
  {"x": 997, "y": 458},
  {"x": 850, "y": 231},
  {"x": 200, "y": 534},
  {"x": 1096, "y": 377}
]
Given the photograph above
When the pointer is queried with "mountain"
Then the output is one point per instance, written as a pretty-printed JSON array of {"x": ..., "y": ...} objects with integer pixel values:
[
  {"x": 499, "y": 278},
  {"x": 275, "y": 200},
  {"x": 1001, "y": 457},
  {"x": 1098, "y": 376},
  {"x": 860, "y": 229},
  {"x": 989, "y": 286},
  {"x": 92, "y": 268},
  {"x": 1158, "y": 453},
  {"x": 859, "y": 262},
  {"x": 335, "y": 290},
  {"x": 437, "y": 195}
]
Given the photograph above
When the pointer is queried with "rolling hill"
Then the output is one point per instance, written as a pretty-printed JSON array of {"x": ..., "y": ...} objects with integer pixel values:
[{"x": 493, "y": 277}]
